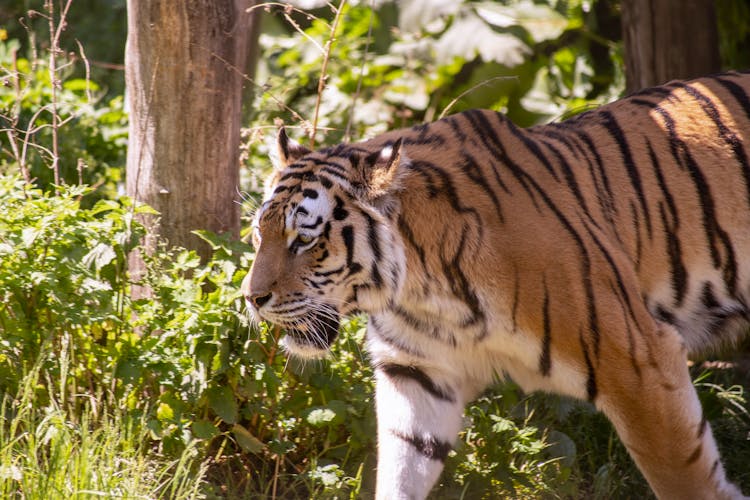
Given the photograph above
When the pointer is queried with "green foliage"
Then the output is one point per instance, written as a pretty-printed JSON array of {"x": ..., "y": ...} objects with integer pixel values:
[
  {"x": 532, "y": 60},
  {"x": 68, "y": 448},
  {"x": 99, "y": 25},
  {"x": 95, "y": 133},
  {"x": 503, "y": 452},
  {"x": 733, "y": 17},
  {"x": 62, "y": 270},
  {"x": 184, "y": 359}
]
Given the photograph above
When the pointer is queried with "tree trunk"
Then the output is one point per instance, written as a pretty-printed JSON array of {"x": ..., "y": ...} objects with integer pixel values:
[
  {"x": 668, "y": 39},
  {"x": 185, "y": 70}
]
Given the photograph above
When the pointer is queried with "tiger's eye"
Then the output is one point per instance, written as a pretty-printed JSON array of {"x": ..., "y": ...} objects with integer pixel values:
[{"x": 305, "y": 239}]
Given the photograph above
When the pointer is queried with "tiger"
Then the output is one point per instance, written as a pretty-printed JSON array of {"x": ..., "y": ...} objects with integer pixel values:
[{"x": 588, "y": 257}]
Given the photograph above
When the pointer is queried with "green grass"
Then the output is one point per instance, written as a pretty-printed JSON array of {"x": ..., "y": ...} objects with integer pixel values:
[{"x": 76, "y": 446}]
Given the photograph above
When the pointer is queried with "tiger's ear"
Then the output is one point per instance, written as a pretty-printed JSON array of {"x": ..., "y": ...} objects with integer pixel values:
[
  {"x": 380, "y": 170},
  {"x": 288, "y": 150}
]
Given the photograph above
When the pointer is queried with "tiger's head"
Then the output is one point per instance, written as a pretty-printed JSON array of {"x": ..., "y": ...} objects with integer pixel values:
[{"x": 326, "y": 241}]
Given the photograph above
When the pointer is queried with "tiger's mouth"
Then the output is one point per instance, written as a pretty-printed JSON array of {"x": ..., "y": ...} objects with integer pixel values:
[{"x": 313, "y": 335}]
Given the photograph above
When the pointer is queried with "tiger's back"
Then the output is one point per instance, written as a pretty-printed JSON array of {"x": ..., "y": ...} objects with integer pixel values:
[{"x": 586, "y": 258}]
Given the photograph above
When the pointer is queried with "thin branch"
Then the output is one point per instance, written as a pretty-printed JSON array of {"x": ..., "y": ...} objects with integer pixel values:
[
  {"x": 88, "y": 70},
  {"x": 50, "y": 7},
  {"x": 262, "y": 88},
  {"x": 54, "y": 33},
  {"x": 14, "y": 117},
  {"x": 472, "y": 89},
  {"x": 323, "y": 71}
]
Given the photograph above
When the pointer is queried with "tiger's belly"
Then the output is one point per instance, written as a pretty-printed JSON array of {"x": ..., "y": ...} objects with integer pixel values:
[
  {"x": 704, "y": 326},
  {"x": 470, "y": 355}
]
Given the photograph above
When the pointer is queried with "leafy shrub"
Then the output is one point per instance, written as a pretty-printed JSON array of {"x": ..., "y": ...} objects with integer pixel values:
[
  {"x": 95, "y": 133},
  {"x": 63, "y": 275},
  {"x": 184, "y": 359}
]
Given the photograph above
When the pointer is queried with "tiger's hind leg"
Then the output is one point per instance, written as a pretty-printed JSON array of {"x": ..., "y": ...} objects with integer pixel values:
[{"x": 658, "y": 416}]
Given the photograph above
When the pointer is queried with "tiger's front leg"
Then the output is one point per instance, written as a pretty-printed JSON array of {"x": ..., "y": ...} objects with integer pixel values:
[{"x": 419, "y": 416}]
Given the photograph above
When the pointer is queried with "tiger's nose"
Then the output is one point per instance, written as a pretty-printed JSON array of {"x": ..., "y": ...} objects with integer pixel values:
[{"x": 258, "y": 299}]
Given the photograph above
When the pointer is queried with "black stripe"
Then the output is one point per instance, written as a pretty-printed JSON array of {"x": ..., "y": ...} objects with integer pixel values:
[
  {"x": 347, "y": 233},
  {"x": 447, "y": 187},
  {"x": 610, "y": 123},
  {"x": 714, "y": 468},
  {"x": 421, "y": 326},
  {"x": 325, "y": 274},
  {"x": 591, "y": 389},
  {"x": 652, "y": 92},
  {"x": 618, "y": 278},
  {"x": 682, "y": 156},
  {"x": 354, "y": 268},
  {"x": 603, "y": 189},
  {"x": 377, "y": 279},
  {"x": 471, "y": 168},
  {"x": 310, "y": 193},
  {"x": 325, "y": 181},
  {"x": 678, "y": 272},
  {"x": 305, "y": 176},
  {"x": 586, "y": 138},
  {"x": 392, "y": 340},
  {"x": 671, "y": 226},
  {"x": 738, "y": 93},
  {"x": 695, "y": 455},
  {"x": 459, "y": 284},
  {"x": 456, "y": 128},
  {"x": 395, "y": 371},
  {"x": 430, "y": 447},
  {"x": 708, "y": 298},
  {"x": 372, "y": 237},
  {"x": 516, "y": 293},
  {"x": 479, "y": 123},
  {"x": 408, "y": 234},
  {"x": 331, "y": 166},
  {"x": 631, "y": 338},
  {"x": 533, "y": 147},
  {"x": 702, "y": 426},
  {"x": 729, "y": 137},
  {"x": 545, "y": 359},
  {"x": 315, "y": 224},
  {"x": 570, "y": 178},
  {"x": 334, "y": 173},
  {"x": 339, "y": 212},
  {"x": 664, "y": 314}
]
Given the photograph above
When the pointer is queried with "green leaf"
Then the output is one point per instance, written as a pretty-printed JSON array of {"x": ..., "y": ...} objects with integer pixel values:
[
  {"x": 164, "y": 412},
  {"x": 542, "y": 22},
  {"x": 222, "y": 402},
  {"x": 204, "y": 429},
  {"x": 29, "y": 235},
  {"x": 101, "y": 255},
  {"x": 247, "y": 441}
]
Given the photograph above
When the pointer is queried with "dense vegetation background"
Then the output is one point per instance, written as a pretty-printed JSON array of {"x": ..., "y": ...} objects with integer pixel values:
[{"x": 174, "y": 394}]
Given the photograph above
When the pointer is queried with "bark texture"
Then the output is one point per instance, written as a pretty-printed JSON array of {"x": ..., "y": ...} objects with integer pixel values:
[
  {"x": 668, "y": 39},
  {"x": 186, "y": 63}
]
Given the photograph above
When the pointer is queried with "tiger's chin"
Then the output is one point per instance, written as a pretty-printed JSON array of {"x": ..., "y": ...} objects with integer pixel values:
[{"x": 311, "y": 339}]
